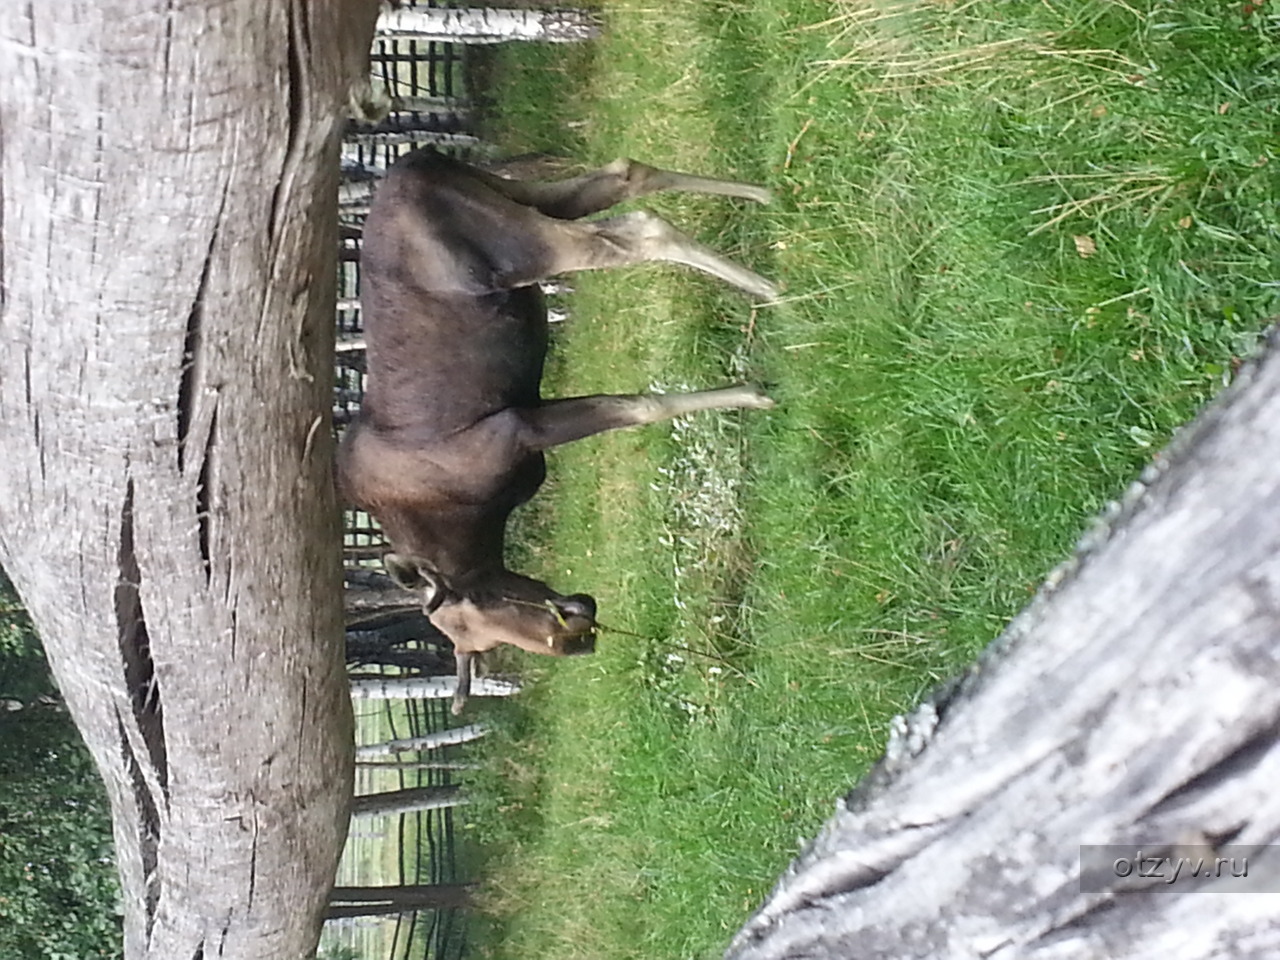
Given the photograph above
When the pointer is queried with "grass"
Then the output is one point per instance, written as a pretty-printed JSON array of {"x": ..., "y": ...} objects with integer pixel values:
[{"x": 1021, "y": 244}]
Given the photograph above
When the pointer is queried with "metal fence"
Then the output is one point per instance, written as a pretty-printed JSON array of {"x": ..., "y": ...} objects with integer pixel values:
[
  {"x": 425, "y": 85},
  {"x": 420, "y": 86}
]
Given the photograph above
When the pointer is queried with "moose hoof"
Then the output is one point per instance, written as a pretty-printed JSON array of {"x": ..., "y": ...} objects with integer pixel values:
[
  {"x": 763, "y": 289},
  {"x": 753, "y": 398}
]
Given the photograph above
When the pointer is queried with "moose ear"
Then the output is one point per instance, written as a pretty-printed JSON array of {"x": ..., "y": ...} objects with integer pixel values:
[{"x": 412, "y": 574}]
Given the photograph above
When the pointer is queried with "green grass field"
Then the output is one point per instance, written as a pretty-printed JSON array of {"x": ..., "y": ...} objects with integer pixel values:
[{"x": 1021, "y": 243}]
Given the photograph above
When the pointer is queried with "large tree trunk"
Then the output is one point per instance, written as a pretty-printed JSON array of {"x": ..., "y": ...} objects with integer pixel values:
[
  {"x": 1134, "y": 704},
  {"x": 169, "y": 177}
]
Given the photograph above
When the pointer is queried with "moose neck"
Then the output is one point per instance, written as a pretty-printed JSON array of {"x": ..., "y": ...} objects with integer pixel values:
[{"x": 466, "y": 545}]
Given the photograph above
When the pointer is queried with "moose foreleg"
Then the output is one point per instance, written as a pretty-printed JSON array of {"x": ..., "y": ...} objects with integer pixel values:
[
  {"x": 563, "y": 421},
  {"x": 463, "y": 689}
]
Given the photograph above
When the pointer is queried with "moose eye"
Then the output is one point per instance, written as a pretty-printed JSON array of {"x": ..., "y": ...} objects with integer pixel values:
[{"x": 578, "y": 605}]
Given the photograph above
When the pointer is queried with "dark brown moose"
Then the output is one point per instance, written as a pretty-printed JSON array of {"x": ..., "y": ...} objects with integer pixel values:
[{"x": 451, "y": 434}]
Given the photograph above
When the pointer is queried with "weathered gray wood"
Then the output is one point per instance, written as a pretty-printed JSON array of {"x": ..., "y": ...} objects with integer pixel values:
[
  {"x": 370, "y": 594},
  {"x": 415, "y": 765},
  {"x": 488, "y": 25},
  {"x": 1136, "y": 702},
  {"x": 169, "y": 178},
  {"x": 384, "y": 901},
  {"x": 428, "y": 688},
  {"x": 430, "y": 741},
  {"x": 408, "y": 800},
  {"x": 439, "y": 138},
  {"x": 454, "y": 106},
  {"x": 406, "y": 898}
]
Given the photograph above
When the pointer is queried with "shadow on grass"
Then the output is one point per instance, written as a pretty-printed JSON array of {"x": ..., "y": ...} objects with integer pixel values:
[{"x": 533, "y": 97}]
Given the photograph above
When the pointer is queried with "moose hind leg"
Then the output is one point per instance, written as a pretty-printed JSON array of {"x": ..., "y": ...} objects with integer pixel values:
[
  {"x": 531, "y": 247},
  {"x": 639, "y": 237},
  {"x": 562, "y": 421},
  {"x": 613, "y": 183}
]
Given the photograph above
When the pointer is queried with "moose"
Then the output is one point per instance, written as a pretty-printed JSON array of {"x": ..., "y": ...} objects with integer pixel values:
[{"x": 452, "y": 430}]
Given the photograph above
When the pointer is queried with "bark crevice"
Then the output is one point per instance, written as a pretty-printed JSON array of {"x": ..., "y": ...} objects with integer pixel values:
[
  {"x": 253, "y": 863},
  {"x": 197, "y": 410},
  {"x": 148, "y": 827},
  {"x": 135, "y": 647},
  {"x": 204, "y": 495},
  {"x": 298, "y": 49},
  {"x": 192, "y": 378}
]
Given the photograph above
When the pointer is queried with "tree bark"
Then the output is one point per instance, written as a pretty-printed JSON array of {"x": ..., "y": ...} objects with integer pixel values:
[
  {"x": 409, "y": 800},
  {"x": 1134, "y": 704},
  {"x": 169, "y": 178}
]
